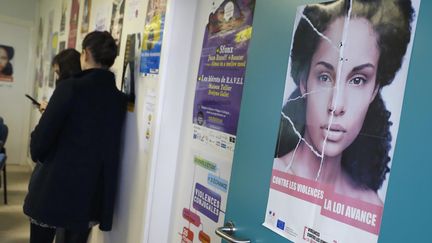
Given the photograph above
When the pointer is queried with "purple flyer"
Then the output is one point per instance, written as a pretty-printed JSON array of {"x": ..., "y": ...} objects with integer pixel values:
[
  {"x": 207, "y": 202},
  {"x": 222, "y": 67}
]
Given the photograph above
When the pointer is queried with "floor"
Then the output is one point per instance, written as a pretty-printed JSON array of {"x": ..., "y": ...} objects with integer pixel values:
[{"x": 14, "y": 225}]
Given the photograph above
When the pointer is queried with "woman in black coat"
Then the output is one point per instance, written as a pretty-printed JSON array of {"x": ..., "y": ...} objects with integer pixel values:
[
  {"x": 76, "y": 147},
  {"x": 65, "y": 65}
]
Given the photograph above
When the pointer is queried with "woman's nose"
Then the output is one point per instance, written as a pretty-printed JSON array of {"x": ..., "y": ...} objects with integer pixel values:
[{"x": 336, "y": 104}]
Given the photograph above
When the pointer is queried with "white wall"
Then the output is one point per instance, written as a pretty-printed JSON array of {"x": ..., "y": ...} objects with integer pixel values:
[
  {"x": 23, "y": 10},
  {"x": 17, "y": 30},
  {"x": 187, "y": 174},
  {"x": 138, "y": 158},
  {"x": 175, "y": 81},
  {"x": 147, "y": 176}
]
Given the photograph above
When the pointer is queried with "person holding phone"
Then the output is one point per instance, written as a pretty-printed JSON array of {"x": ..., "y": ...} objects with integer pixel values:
[
  {"x": 76, "y": 147},
  {"x": 65, "y": 64}
]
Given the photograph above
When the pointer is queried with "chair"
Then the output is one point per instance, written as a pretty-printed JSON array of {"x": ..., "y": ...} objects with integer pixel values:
[{"x": 3, "y": 156}]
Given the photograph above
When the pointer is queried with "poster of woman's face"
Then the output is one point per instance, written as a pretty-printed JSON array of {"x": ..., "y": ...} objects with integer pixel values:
[
  {"x": 117, "y": 21},
  {"x": 6, "y": 68},
  {"x": 338, "y": 118}
]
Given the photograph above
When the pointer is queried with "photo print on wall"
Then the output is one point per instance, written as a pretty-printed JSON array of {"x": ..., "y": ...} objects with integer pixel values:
[
  {"x": 73, "y": 24},
  {"x": 6, "y": 67},
  {"x": 133, "y": 42},
  {"x": 117, "y": 16},
  {"x": 85, "y": 24},
  {"x": 63, "y": 17},
  {"x": 152, "y": 37},
  {"x": 339, "y": 119}
]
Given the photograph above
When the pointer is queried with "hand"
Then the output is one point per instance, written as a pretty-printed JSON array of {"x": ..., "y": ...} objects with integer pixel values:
[{"x": 43, "y": 106}]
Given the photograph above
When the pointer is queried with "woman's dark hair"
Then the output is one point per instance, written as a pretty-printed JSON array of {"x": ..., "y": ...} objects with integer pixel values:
[
  {"x": 102, "y": 47},
  {"x": 8, "y": 69},
  {"x": 366, "y": 159},
  {"x": 69, "y": 63}
]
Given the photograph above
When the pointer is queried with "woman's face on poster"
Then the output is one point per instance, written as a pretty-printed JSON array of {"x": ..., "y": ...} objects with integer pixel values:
[
  {"x": 4, "y": 59},
  {"x": 117, "y": 27},
  {"x": 340, "y": 91}
]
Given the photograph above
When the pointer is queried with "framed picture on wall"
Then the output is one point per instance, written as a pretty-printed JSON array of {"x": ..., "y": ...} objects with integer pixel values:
[
  {"x": 117, "y": 21},
  {"x": 86, "y": 16},
  {"x": 6, "y": 67},
  {"x": 73, "y": 24},
  {"x": 63, "y": 17}
]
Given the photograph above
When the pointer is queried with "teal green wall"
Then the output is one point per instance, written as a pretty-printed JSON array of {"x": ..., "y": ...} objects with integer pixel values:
[{"x": 408, "y": 208}]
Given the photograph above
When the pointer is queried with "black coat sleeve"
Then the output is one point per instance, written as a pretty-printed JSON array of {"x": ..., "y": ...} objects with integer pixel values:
[{"x": 46, "y": 133}]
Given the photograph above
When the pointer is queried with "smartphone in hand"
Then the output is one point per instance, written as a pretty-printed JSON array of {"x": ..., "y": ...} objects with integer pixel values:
[{"x": 34, "y": 101}]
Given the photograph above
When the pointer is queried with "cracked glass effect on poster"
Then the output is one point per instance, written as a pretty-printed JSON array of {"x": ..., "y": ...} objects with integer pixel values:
[
  {"x": 222, "y": 66},
  {"x": 343, "y": 96}
]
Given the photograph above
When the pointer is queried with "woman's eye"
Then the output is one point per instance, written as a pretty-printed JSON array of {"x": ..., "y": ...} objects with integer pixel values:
[
  {"x": 357, "y": 81},
  {"x": 324, "y": 78}
]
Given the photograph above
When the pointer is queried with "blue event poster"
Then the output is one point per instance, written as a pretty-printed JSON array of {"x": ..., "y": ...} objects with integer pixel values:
[
  {"x": 152, "y": 37},
  {"x": 222, "y": 66}
]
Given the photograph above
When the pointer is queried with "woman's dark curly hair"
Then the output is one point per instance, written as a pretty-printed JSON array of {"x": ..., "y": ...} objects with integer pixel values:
[
  {"x": 8, "y": 69},
  {"x": 102, "y": 47},
  {"x": 366, "y": 159},
  {"x": 69, "y": 63}
]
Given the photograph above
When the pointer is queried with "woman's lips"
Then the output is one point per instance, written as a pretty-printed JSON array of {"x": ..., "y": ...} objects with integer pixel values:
[{"x": 334, "y": 133}]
